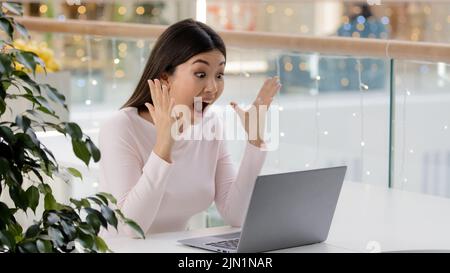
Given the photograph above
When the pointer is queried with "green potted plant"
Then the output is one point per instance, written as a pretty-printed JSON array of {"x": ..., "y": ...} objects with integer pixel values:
[{"x": 23, "y": 158}]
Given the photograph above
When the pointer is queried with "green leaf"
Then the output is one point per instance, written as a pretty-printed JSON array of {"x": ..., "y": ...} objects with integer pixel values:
[
  {"x": 7, "y": 239},
  {"x": 4, "y": 166},
  {"x": 86, "y": 240},
  {"x": 81, "y": 151},
  {"x": 93, "y": 220},
  {"x": 69, "y": 230},
  {"x": 56, "y": 236},
  {"x": 109, "y": 216},
  {"x": 33, "y": 197},
  {"x": 13, "y": 8},
  {"x": 33, "y": 231},
  {"x": 23, "y": 122},
  {"x": 27, "y": 59},
  {"x": 83, "y": 203},
  {"x": 44, "y": 246},
  {"x": 6, "y": 26},
  {"x": 73, "y": 130},
  {"x": 27, "y": 247},
  {"x": 95, "y": 152},
  {"x": 136, "y": 227},
  {"x": 52, "y": 219},
  {"x": 44, "y": 188},
  {"x": 96, "y": 200},
  {"x": 108, "y": 196},
  {"x": 6, "y": 216},
  {"x": 22, "y": 30},
  {"x": 53, "y": 94},
  {"x": 2, "y": 106},
  {"x": 15, "y": 230},
  {"x": 7, "y": 134},
  {"x": 19, "y": 197},
  {"x": 75, "y": 172},
  {"x": 50, "y": 202},
  {"x": 102, "y": 219},
  {"x": 5, "y": 63},
  {"x": 101, "y": 245}
]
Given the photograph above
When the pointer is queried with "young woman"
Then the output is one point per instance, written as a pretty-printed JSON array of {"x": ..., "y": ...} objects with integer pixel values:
[{"x": 161, "y": 182}]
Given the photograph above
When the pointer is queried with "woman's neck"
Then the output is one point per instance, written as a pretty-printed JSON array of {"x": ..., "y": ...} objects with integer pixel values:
[{"x": 146, "y": 115}]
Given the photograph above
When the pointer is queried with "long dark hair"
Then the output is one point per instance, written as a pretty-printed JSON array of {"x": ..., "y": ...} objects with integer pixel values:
[{"x": 177, "y": 44}]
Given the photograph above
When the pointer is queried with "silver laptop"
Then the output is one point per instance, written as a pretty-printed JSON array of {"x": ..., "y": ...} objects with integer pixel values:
[{"x": 285, "y": 210}]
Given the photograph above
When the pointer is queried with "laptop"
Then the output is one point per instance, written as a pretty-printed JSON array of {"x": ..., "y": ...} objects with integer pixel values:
[{"x": 285, "y": 210}]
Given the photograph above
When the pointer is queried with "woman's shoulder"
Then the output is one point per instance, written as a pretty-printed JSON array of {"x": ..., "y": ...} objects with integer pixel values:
[{"x": 119, "y": 120}]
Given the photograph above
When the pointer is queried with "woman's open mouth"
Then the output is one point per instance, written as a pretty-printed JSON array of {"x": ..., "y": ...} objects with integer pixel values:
[{"x": 200, "y": 106}]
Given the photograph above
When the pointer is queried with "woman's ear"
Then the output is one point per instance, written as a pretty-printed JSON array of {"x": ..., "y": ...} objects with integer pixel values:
[{"x": 165, "y": 80}]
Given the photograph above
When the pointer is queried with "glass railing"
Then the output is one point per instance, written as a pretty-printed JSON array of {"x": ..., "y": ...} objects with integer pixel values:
[
  {"x": 405, "y": 20},
  {"x": 333, "y": 110},
  {"x": 422, "y": 119}
]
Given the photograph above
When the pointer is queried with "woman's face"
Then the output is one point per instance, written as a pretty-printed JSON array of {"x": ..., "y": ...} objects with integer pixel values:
[{"x": 199, "y": 80}]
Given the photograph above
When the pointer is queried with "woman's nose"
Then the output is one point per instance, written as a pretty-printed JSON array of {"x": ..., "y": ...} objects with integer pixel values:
[{"x": 211, "y": 87}]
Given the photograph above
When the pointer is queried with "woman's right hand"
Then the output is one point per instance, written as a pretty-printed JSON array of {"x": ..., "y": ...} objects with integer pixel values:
[{"x": 161, "y": 113}]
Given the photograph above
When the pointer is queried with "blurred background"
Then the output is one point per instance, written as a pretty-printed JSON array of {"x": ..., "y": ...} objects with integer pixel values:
[{"x": 386, "y": 119}]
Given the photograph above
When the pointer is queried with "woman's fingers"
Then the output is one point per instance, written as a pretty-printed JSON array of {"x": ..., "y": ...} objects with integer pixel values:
[
  {"x": 158, "y": 92},
  {"x": 151, "y": 109},
  {"x": 165, "y": 96}
]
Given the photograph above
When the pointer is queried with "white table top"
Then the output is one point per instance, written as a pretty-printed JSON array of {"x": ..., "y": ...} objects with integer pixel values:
[{"x": 367, "y": 219}]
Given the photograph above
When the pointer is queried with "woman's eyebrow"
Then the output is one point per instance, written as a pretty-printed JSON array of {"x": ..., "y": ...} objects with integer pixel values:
[{"x": 205, "y": 62}]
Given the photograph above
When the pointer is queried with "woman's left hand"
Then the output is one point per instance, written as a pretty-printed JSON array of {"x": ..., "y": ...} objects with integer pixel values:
[{"x": 254, "y": 118}]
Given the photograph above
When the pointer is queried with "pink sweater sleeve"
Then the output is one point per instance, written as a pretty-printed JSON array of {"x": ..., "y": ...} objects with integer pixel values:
[
  {"x": 139, "y": 190},
  {"x": 234, "y": 189}
]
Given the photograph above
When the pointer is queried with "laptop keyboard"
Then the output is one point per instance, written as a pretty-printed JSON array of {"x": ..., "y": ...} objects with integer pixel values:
[{"x": 229, "y": 244}]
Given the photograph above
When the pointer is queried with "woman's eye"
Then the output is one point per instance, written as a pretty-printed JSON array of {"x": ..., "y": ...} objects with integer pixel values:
[
  {"x": 220, "y": 76},
  {"x": 200, "y": 74}
]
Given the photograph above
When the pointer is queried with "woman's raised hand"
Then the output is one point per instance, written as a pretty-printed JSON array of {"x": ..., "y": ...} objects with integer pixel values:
[
  {"x": 261, "y": 105},
  {"x": 161, "y": 113}
]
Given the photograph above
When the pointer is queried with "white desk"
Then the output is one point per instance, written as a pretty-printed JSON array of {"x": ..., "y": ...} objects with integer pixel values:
[{"x": 367, "y": 219}]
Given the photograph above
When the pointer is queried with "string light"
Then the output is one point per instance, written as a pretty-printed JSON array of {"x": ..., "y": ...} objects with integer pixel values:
[
  {"x": 140, "y": 10},
  {"x": 140, "y": 43},
  {"x": 116, "y": 61},
  {"x": 362, "y": 88},
  {"x": 90, "y": 79},
  {"x": 304, "y": 29},
  {"x": 122, "y": 10},
  {"x": 288, "y": 67},
  {"x": 79, "y": 52},
  {"x": 270, "y": 9},
  {"x": 122, "y": 47},
  {"x": 288, "y": 12},
  {"x": 43, "y": 8},
  {"x": 81, "y": 9}
]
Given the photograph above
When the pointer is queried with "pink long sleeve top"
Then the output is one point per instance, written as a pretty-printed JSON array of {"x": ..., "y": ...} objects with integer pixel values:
[{"x": 162, "y": 196}]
